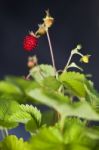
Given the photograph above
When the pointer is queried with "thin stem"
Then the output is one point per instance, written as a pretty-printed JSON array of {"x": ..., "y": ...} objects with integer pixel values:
[
  {"x": 2, "y": 133},
  {"x": 6, "y": 132},
  {"x": 68, "y": 62},
  {"x": 28, "y": 76},
  {"x": 51, "y": 51},
  {"x": 80, "y": 54},
  {"x": 75, "y": 51},
  {"x": 62, "y": 122}
]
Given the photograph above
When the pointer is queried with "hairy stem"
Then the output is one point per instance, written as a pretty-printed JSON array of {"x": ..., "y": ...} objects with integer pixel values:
[{"x": 51, "y": 51}]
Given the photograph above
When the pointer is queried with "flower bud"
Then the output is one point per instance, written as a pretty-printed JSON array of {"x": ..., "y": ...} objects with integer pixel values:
[
  {"x": 79, "y": 46},
  {"x": 32, "y": 61},
  {"x": 48, "y": 20},
  {"x": 41, "y": 30},
  {"x": 85, "y": 58}
]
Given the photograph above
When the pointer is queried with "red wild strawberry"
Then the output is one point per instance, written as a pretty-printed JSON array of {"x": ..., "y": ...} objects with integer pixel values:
[{"x": 30, "y": 42}]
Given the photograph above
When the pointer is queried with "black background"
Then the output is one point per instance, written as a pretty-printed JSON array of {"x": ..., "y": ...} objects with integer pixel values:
[{"x": 76, "y": 21}]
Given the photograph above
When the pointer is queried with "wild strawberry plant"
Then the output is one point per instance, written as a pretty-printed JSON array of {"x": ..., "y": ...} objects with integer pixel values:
[{"x": 71, "y": 99}]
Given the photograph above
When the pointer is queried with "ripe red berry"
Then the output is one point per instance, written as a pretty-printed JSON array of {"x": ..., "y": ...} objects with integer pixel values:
[{"x": 30, "y": 42}]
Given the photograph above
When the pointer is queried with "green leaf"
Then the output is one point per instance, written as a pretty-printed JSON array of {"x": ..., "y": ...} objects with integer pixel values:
[
  {"x": 33, "y": 111},
  {"x": 73, "y": 130},
  {"x": 34, "y": 123},
  {"x": 49, "y": 98},
  {"x": 11, "y": 113},
  {"x": 20, "y": 117},
  {"x": 47, "y": 139},
  {"x": 13, "y": 97},
  {"x": 52, "y": 83},
  {"x": 9, "y": 88},
  {"x": 28, "y": 115},
  {"x": 41, "y": 71},
  {"x": 78, "y": 135},
  {"x": 92, "y": 96},
  {"x": 92, "y": 133},
  {"x": 52, "y": 139},
  {"x": 31, "y": 126},
  {"x": 62, "y": 104},
  {"x": 23, "y": 85},
  {"x": 7, "y": 108},
  {"x": 13, "y": 143},
  {"x": 78, "y": 147},
  {"x": 49, "y": 117},
  {"x": 74, "y": 81},
  {"x": 8, "y": 124}
]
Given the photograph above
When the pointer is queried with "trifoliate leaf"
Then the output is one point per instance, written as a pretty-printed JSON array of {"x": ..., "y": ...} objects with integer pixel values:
[
  {"x": 74, "y": 81},
  {"x": 13, "y": 143}
]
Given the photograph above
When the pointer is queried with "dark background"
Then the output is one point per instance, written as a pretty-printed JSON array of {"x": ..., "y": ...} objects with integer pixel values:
[{"x": 76, "y": 21}]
